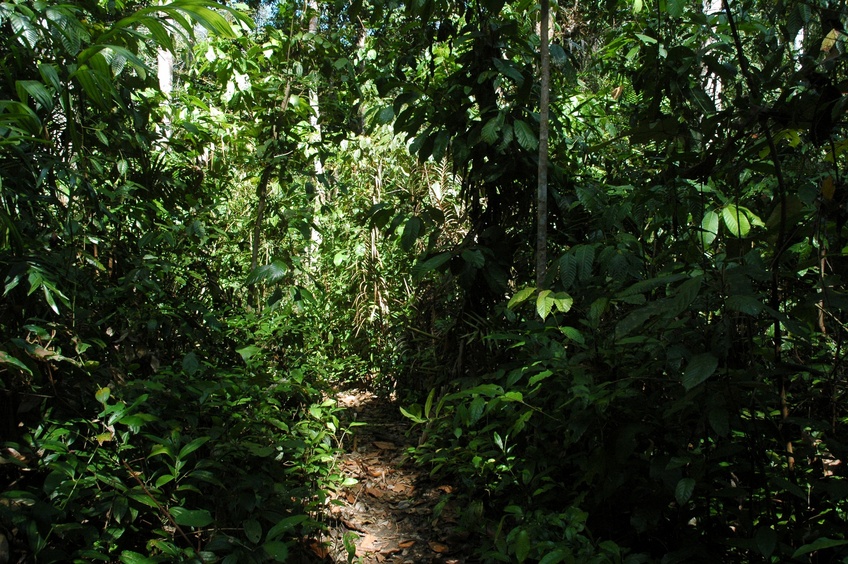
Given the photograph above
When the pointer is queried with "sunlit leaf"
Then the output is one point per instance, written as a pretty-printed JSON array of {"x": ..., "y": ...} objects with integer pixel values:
[{"x": 520, "y": 297}]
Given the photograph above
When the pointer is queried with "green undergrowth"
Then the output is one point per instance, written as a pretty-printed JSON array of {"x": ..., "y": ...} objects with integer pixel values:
[{"x": 195, "y": 462}]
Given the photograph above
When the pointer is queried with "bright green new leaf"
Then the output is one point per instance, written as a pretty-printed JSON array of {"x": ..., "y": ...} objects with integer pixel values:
[
  {"x": 701, "y": 367},
  {"x": 270, "y": 273},
  {"x": 709, "y": 228},
  {"x": 544, "y": 303},
  {"x": 520, "y": 297},
  {"x": 736, "y": 221}
]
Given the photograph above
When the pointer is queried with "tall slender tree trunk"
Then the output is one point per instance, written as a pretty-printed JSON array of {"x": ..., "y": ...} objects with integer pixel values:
[
  {"x": 542, "y": 188},
  {"x": 261, "y": 200}
]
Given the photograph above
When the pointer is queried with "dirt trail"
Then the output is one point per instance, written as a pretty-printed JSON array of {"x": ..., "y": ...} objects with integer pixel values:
[{"x": 390, "y": 515}]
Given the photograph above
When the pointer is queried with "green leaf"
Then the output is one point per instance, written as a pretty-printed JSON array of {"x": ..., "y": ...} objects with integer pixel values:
[
  {"x": 102, "y": 395},
  {"x": 818, "y": 544},
  {"x": 411, "y": 230},
  {"x": 248, "y": 352},
  {"x": 191, "y": 364},
  {"x": 562, "y": 302},
  {"x": 130, "y": 557},
  {"x": 285, "y": 525},
  {"x": 674, "y": 8},
  {"x": 269, "y": 273},
  {"x": 277, "y": 550},
  {"x": 490, "y": 132},
  {"x": 420, "y": 269},
  {"x": 6, "y": 358},
  {"x": 37, "y": 91},
  {"x": 683, "y": 491},
  {"x": 525, "y": 135},
  {"x": 544, "y": 304},
  {"x": 192, "y": 446},
  {"x": 554, "y": 557},
  {"x": 766, "y": 539},
  {"x": 252, "y": 530},
  {"x": 520, "y": 297},
  {"x": 709, "y": 228},
  {"x": 191, "y": 517},
  {"x": 700, "y": 367},
  {"x": 736, "y": 221},
  {"x": 522, "y": 545}
]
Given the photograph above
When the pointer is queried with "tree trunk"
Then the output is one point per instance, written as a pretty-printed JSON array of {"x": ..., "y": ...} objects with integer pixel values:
[{"x": 542, "y": 190}]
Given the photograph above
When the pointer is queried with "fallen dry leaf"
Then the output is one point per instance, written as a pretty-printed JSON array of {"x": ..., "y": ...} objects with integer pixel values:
[
  {"x": 384, "y": 445},
  {"x": 369, "y": 542},
  {"x": 438, "y": 547},
  {"x": 374, "y": 492},
  {"x": 318, "y": 548},
  {"x": 447, "y": 489},
  {"x": 406, "y": 543}
]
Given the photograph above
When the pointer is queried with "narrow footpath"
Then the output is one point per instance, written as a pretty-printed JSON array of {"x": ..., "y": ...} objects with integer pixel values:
[{"x": 394, "y": 513}]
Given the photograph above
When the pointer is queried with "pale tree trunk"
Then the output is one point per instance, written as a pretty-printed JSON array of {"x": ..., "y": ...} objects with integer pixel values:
[
  {"x": 542, "y": 188},
  {"x": 320, "y": 196},
  {"x": 713, "y": 87},
  {"x": 165, "y": 74}
]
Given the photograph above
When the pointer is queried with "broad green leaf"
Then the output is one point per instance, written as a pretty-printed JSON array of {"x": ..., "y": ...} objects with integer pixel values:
[
  {"x": 102, "y": 395},
  {"x": 490, "y": 132},
  {"x": 513, "y": 396},
  {"x": 191, "y": 364},
  {"x": 535, "y": 379},
  {"x": 766, "y": 539},
  {"x": 522, "y": 545},
  {"x": 674, "y": 8},
  {"x": 736, "y": 221},
  {"x": 270, "y": 273},
  {"x": 130, "y": 557},
  {"x": 277, "y": 550},
  {"x": 555, "y": 557},
  {"x": 709, "y": 228},
  {"x": 745, "y": 304},
  {"x": 252, "y": 530},
  {"x": 411, "y": 231},
  {"x": 520, "y": 297},
  {"x": 249, "y": 351},
  {"x": 413, "y": 413},
  {"x": 191, "y": 517},
  {"x": 37, "y": 91},
  {"x": 525, "y": 135},
  {"x": 562, "y": 302},
  {"x": 6, "y": 358},
  {"x": 700, "y": 367},
  {"x": 192, "y": 446},
  {"x": 818, "y": 544},
  {"x": 420, "y": 269},
  {"x": 285, "y": 525},
  {"x": 544, "y": 304},
  {"x": 474, "y": 257},
  {"x": 683, "y": 491}
]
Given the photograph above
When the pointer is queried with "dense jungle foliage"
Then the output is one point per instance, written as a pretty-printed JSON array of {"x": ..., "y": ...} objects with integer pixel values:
[{"x": 213, "y": 216}]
